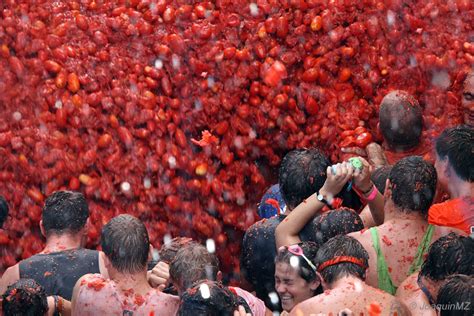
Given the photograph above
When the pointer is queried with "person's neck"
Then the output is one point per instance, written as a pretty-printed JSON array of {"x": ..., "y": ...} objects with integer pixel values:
[
  {"x": 57, "y": 243},
  {"x": 458, "y": 188},
  {"x": 346, "y": 281},
  {"x": 136, "y": 281},
  {"x": 393, "y": 212}
]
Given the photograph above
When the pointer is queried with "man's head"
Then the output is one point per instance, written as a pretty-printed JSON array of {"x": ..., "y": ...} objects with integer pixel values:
[
  {"x": 210, "y": 299},
  {"x": 302, "y": 173},
  {"x": 25, "y": 297},
  {"x": 126, "y": 244},
  {"x": 450, "y": 254},
  {"x": 379, "y": 177},
  {"x": 411, "y": 185},
  {"x": 341, "y": 221},
  {"x": 401, "y": 120},
  {"x": 340, "y": 257},
  {"x": 64, "y": 212},
  {"x": 295, "y": 277},
  {"x": 454, "y": 152},
  {"x": 191, "y": 264},
  {"x": 3, "y": 211},
  {"x": 456, "y": 296},
  {"x": 168, "y": 251},
  {"x": 467, "y": 100}
]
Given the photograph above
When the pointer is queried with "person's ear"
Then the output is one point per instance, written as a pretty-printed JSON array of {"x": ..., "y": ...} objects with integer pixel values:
[
  {"x": 313, "y": 285},
  {"x": 43, "y": 231},
  {"x": 219, "y": 276},
  {"x": 388, "y": 190},
  {"x": 322, "y": 282},
  {"x": 150, "y": 252}
]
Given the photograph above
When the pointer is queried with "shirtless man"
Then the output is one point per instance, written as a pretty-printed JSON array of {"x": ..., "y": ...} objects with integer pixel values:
[
  {"x": 64, "y": 223},
  {"x": 396, "y": 248},
  {"x": 451, "y": 254},
  {"x": 341, "y": 265},
  {"x": 401, "y": 124},
  {"x": 467, "y": 100},
  {"x": 126, "y": 245}
]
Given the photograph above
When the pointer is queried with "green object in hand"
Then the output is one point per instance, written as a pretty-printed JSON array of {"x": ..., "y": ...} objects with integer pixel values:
[{"x": 356, "y": 163}]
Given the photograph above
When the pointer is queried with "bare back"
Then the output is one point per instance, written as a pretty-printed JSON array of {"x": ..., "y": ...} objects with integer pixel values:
[
  {"x": 99, "y": 296},
  {"x": 399, "y": 240},
  {"x": 359, "y": 298}
]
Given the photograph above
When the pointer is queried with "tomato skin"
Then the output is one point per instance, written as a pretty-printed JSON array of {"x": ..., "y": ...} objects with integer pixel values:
[{"x": 362, "y": 140}]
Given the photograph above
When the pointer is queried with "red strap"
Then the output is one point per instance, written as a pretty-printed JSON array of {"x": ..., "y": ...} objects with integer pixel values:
[{"x": 340, "y": 259}]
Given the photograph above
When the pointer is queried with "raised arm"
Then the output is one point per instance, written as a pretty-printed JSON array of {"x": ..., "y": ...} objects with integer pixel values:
[{"x": 287, "y": 231}]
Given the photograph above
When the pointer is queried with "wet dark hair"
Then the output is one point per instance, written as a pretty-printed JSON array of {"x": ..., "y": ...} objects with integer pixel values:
[
  {"x": 191, "y": 264},
  {"x": 379, "y": 177},
  {"x": 342, "y": 246},
  {"x": 65, "y": 212},
  {"x": 126, "y": 244},
  {"x": 221, "y": 302},
  {"x": 413, "y": 183},
  {"x": 457, "y": 145},
  {"x": 401, "y": 120},
  {"x": 455, "y": 297},
  {"x": 3, "y": 210},
  {"x": 341, "y": 221},
  {"x": 450, "y": 254},
  {"x": 305, "y": 271},
  {"x": 25, "y": 297},
  {"x": 168, "y": 251},
  {"x": 302, "y": 173}
]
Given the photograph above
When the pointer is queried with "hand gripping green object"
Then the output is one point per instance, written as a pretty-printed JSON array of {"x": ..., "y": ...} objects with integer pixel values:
[{"x": 356, "y": 163}]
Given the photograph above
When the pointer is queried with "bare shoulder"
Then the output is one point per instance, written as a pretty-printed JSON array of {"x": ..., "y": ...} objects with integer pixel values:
[
  {"x": 11, "y": 275},
  {"x": 397, "y": 307},
  {"x": 407, "y": 287}
]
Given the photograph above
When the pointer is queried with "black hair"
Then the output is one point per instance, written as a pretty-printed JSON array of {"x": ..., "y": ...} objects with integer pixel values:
[
  {"x": 341, "y": 221},
  {"x": 25, "y": 297},
  {"x": 126, "y": 244},
  {"x": 379, "y": 177},
  {"x": 192, "y": 264},
  {"x": 413, "y": 183},
  {"x": 342, "y": 245},
  {"x": 219, "y": 301},
  {"x": 450, "y": 254},
  {"x": 65, "y": 212},
  {"x": 3, "y": 210},
  {"x": 305, "y": 271},
  {"x": 302, "y": 173},
  {"x": 457, "y": 145},
  {"x": 456, "y": 296},
  {"x": 401, "y": 120}
]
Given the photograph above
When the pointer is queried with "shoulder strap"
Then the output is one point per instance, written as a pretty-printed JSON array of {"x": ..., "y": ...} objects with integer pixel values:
[
  {"x": 384, "y": 279},
  {"x": 422, "y": 250}
]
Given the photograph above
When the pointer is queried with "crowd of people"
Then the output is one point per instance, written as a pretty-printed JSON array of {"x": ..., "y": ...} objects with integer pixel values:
[{"x": 386, "y": 232}]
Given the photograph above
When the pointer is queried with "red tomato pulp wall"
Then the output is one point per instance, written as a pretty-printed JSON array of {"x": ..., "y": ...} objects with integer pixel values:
[{"x": 105, "y": 96}]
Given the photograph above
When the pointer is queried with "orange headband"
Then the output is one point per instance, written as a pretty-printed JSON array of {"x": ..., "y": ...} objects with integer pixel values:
[{"x": 340, "y": 259}]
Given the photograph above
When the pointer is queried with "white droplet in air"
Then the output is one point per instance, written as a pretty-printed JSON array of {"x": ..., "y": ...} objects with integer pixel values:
[
  {"x": 238, "y": 142},
  {"x": 17, "y": 116},
  {"x": 25, "y": 19},
  {"x": 210, "y": 82},
  {"x": 252, "y": 134},
  {"x": 273, "y": 298},
  {"x": 158, "y": 64},
  {"x": 441, "y": 79},
  {"x": 276, "y": 314},
  {"x": 294, "y": 261},
  {"x": 198, "y": 105},
  {"x": 147, "y": 183},
  {"x": 390, "y": 18},
  {"x": 413, "y": 61},
  {"x": 58, "y": 104},
  {"x": 175, "y": 61},
  {"x": 253, "y": 9},
  {"x": 167, "y": 239},
  {"x": 210, "y": 245},
  {"x": 133, "y": 88},
  {"x": 205, "y": 291},
  {"x": 240, "y": 201},
  {"x": 172, "y": 162},
  {"x": 125, "y": 187},
  {"x": 153, "y": 8}
]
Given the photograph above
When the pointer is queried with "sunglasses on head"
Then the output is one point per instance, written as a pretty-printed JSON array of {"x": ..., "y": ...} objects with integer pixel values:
[{"x": 298, "y": 251}]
